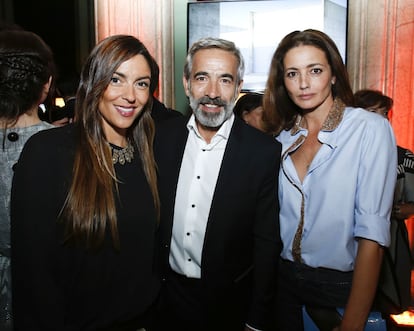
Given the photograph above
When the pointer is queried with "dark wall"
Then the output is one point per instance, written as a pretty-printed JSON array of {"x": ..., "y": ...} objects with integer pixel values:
[
  {"x": 67, "y": 26},
  {"x": 54, "y": 21}
]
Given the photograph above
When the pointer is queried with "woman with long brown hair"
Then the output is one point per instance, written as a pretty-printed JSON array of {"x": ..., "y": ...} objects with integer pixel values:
[
  {"x": 336, "y": 186},
  {"x": 85, "y": 203}
]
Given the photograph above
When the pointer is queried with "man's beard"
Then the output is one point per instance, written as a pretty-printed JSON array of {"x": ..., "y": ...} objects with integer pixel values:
[{"x": 213, "y": 119}]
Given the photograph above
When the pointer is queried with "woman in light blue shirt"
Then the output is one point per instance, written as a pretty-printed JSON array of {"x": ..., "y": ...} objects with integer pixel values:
[{"x": 336, "y": 185}]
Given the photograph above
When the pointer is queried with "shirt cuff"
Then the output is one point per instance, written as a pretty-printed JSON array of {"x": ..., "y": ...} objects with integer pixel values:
[{"x": 252, "y": 328}]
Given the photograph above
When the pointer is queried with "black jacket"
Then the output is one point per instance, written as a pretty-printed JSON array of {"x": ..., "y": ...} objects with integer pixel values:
[{"x": 242, "y": 241}]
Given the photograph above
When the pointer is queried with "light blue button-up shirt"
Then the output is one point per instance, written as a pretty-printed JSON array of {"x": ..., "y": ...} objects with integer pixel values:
[{"x": 347, "y": 191}]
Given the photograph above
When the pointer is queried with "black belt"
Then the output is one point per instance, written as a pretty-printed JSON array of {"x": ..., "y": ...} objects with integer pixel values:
[
  {"x": 318, "y": 273},
  {"x": 184, "y": 280}
]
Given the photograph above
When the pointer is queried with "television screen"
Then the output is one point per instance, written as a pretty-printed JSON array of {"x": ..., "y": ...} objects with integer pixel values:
[{"x": 257, "y": 26}]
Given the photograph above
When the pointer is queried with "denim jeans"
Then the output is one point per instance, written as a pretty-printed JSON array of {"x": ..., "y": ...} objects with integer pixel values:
[{"x": 300, "y": 285}]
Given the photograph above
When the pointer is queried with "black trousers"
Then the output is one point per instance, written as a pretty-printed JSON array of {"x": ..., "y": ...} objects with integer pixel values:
[
  {"x": 145, "y": 320},
  {"x": 181, "y": 305}
]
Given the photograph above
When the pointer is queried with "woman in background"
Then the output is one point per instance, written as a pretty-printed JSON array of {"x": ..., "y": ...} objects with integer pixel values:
[
  {"x": 83, "y": 231},
  {"x": 27, "y": 72},
  {"x": 376, "y": 101},
  {"x": 403, "y": 208},
  {"x": 249, "y": 108},
  {"x": 336, "y": 186}
]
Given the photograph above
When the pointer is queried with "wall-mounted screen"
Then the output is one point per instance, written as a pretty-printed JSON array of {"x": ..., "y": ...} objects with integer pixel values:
[{"x": 257, "y": 26}]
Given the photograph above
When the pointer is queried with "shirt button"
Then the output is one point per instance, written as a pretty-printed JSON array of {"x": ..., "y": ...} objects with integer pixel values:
[
  {"x": 192, "y": 206},
  {"x": 189, "y": 260},
  {"x": 13, "y": 136},
  {"x": 198, "y": 177},
  {"x": 188, "y": 233}
]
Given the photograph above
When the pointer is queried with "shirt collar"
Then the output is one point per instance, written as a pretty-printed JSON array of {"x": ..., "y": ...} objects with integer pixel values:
[
  {"x": 224, "y": 130},
  {"x": 331, "y": 122}
]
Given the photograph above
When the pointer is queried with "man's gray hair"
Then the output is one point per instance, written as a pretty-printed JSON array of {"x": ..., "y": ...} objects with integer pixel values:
[{"x": 209, "y": 43}]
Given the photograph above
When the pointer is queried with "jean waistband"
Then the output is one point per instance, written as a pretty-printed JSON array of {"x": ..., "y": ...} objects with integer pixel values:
[{"x": 320, "y": 273}]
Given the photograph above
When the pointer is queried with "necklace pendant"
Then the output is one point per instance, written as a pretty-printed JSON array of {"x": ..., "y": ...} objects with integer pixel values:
[{"x": 123, "y": 155}]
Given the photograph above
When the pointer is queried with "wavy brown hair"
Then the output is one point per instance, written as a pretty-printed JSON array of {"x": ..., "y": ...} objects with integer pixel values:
[
  {"x": 279, "y": 110},
  {"x": 90, "y": 207}
]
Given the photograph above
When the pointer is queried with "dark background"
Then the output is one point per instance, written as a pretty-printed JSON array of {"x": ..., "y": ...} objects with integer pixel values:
[{"x": 67, "y": 26}]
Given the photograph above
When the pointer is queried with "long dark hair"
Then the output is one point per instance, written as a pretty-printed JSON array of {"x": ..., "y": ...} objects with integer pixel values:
[
  {"x": 90, "y": 206},
  {"x": 279, "y": 110}
]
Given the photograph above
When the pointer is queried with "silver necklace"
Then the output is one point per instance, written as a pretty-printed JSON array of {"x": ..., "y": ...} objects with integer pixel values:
[{"x": 123, "y": 155}]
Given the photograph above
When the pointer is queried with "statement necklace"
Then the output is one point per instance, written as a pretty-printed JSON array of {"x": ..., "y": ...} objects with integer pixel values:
[{"x": 122, "y": 155}]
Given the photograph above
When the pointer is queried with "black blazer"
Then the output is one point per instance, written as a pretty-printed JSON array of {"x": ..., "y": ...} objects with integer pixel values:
[{"x": 242, "y": 241}]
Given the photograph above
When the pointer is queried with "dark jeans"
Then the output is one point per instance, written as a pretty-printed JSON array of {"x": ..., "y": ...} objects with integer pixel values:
[{"x": 320, "y": 289}]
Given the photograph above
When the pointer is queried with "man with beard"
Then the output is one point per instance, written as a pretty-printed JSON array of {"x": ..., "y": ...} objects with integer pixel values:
[{"x": 219, "y": 226}]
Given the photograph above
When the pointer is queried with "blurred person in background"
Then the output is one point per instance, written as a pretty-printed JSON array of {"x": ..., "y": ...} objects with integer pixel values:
[
  {"x": 403, "y": 205},
  {"x": 27, "y": 71},
  {"x": 249, "y": 108},
  {"x": 376, "y": 101}
]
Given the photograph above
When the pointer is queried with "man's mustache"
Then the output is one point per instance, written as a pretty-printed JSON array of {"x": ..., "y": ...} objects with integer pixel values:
[{"x": 215, "y": 101}]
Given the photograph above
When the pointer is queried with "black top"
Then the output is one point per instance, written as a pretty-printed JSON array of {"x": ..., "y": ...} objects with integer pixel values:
[{"x": 58, "y": 286}]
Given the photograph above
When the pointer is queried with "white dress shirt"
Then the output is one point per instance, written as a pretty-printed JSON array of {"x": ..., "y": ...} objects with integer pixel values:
[{"x": 195, "y": 189}]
